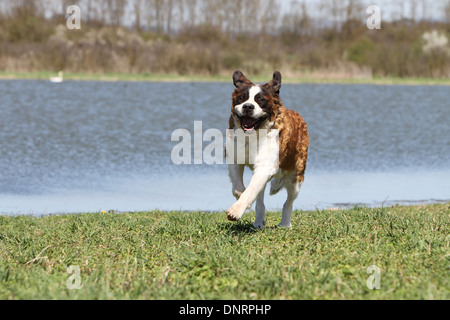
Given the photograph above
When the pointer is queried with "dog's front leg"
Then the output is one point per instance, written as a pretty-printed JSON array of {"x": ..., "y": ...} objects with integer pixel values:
[
  {"x": 236, "y": 172},
  {"x": 256, "y": 186}
]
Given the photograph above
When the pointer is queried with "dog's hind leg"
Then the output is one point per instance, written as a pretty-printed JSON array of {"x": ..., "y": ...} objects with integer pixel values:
[
  {"x": 276, "y": 185},
  {"x": 260, "y": 221},
  {"x": 293, "y": 190}
]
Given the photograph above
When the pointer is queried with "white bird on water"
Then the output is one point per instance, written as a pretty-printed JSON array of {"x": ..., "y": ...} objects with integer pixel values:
[{"x": 57, "y": 79}]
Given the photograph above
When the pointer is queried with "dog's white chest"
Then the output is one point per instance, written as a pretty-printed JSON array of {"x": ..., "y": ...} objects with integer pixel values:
[{"x": 259, "y": 150}]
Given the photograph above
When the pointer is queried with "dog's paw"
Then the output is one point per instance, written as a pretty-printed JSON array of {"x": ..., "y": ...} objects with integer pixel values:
[
  {"x": 285, "y": 226},
  {"x": 259, "y": 225},
  {"x": 235, "y": 213}
]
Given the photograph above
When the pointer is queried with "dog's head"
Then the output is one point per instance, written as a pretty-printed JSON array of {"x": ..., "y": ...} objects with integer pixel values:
[{"x": 255, "y": 106}]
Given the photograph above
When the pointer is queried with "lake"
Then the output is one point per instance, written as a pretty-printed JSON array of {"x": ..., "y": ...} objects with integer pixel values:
[{"x": 92, "y": 146}]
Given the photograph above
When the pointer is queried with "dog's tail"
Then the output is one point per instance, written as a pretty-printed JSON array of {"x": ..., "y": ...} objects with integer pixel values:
[{"x": 276, "y": 185}]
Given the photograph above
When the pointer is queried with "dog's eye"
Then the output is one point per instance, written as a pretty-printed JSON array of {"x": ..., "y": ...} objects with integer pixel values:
[
  {"x": 240, "y": 99},
  {"x": 260, "y": 99}
]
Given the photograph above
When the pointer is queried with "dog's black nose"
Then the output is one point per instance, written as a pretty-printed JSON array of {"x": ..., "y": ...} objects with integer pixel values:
[{"x": 248, "y": 106}]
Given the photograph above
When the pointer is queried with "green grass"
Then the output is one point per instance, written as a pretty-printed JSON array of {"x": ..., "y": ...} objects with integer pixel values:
[
  {"x": 45, "y": 75},
  {"x": 176, "y": 255}
]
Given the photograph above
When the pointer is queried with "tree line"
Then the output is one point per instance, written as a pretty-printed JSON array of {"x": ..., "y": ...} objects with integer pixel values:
[{"x": 215, "y": 36}]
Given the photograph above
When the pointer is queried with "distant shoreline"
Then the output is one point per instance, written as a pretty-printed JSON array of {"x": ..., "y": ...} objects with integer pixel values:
[{"x": 116, "y": 77}]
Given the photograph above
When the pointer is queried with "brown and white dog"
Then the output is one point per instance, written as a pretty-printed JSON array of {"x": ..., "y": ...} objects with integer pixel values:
[{"x": 257, "y": 109}]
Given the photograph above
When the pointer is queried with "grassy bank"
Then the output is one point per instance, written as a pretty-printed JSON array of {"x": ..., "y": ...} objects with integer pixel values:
[
  {"x": 314, "y": 79},
  {"x": 176, "y": 255}
]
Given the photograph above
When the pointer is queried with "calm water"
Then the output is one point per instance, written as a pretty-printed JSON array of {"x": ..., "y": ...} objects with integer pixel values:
[{"x": 91, "y": 146}]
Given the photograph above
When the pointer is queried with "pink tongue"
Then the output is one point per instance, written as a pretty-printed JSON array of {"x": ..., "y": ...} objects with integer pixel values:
[{"x": 248, "y": 123}]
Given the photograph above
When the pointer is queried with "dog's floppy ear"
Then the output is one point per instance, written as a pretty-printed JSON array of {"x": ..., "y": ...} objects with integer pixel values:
[
  {"x": 275, "y": 84},
  {"x": 239, "y": 79}
]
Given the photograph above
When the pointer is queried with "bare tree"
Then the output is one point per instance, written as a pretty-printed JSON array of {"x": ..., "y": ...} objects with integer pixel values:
[
  {"x": 353, "y": 10},
  {"x": 331, "y": 12},
  {"x": 169, "y": 13},
  {"x": 424, "y": 10},
  {"x": 447, "y": 12},
  {"x": 96, "y": 12},
  {"x": 116, "y": 11},
  {"x": 137, "y": 11},
  {"x": 270, "y": 13},
  {"x": 293, "y": 21},
  {"x": 29, "y": 7},
  {"x": 250, "y": 16},
  {"x": 235, "y": 9},
  {"x": 191, "y": 9},
  {"x": 400, "y": 12},
  {"x": 211, "y": 10},
  {"x": 413, "y": 10},
  {"x": 154, "y": 14}
]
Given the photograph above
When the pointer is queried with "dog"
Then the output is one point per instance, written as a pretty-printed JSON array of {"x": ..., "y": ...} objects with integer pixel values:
[{"x": 258, "y": 110}]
